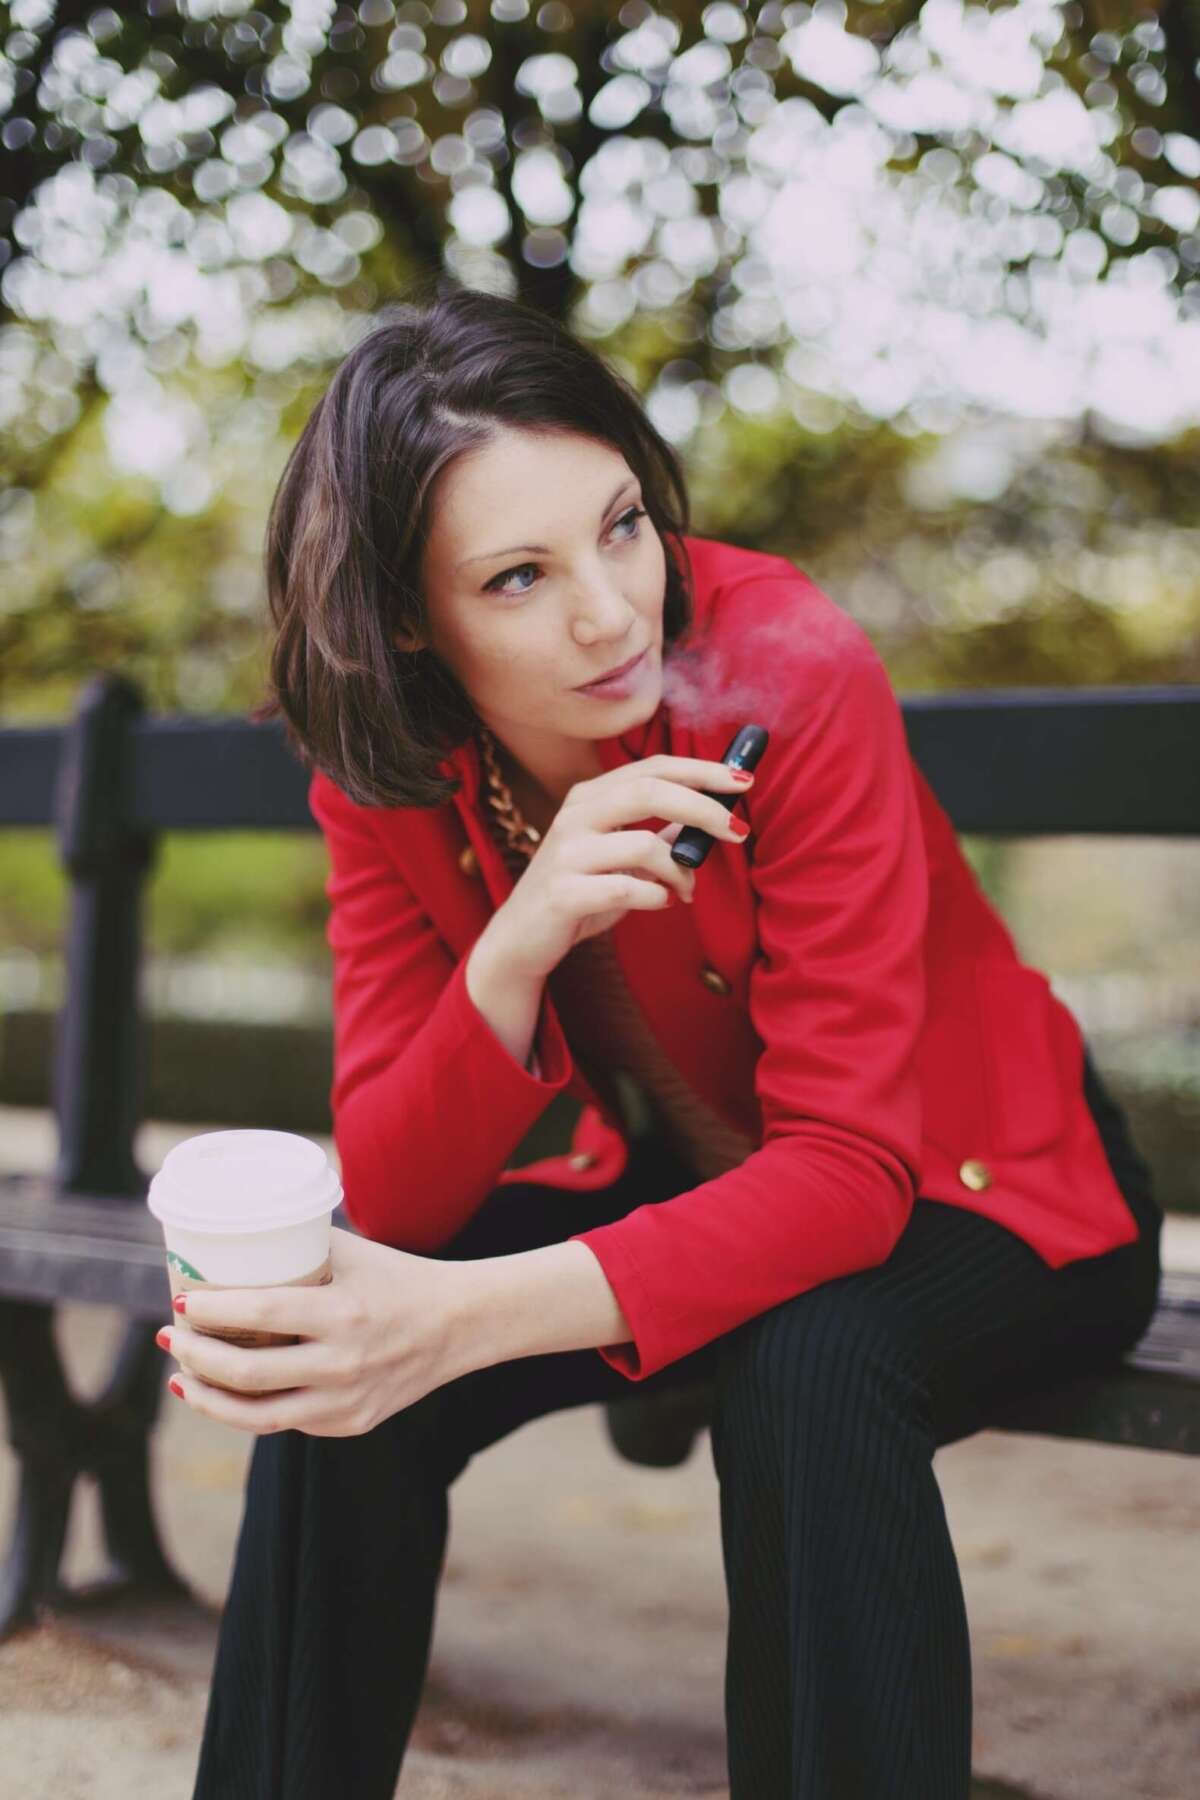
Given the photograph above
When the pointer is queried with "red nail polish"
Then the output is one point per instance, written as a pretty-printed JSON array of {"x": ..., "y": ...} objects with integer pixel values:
[
  {"x": 163, "y": 1339},
  {"x": 741, "y": 775},
  {"x": 175, "y": 1387},
  {"x": 739, "y": 827},
  {"x": 180, "y": 1303}
]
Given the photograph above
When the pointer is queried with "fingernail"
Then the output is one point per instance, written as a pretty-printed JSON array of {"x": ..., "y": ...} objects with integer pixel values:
[
  {"x": 175, "y": 1387},
  {"x": 739, "y": 828},
  {"x": 741, "y": 775},
  {"x": 163, "y": 1339},
  {"x": 180, "y": 1303}
]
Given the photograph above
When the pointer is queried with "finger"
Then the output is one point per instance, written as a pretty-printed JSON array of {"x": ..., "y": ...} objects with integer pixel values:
[
  {"x": 296, "y": 1311},
  {"x": 681, "y": 878},
  {"x": 693, "y": 771},
  {"x": 298, "y": 1411},
  {"x": 623, "y": 891},
  {"x": 250, "y": 1371},
  {"x": 637, "y": 853},
  {"x": 629, "y": 852},
  {"x": 651, "y": 797},
  {"x": 666, "y": 800}
]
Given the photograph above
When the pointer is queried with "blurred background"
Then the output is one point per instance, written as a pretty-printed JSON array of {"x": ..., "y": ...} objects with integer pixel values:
[{"x": 914, "y": 289}]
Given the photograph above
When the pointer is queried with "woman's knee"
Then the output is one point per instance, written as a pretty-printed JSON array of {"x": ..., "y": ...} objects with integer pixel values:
[{"x": 827, "y": 1350}]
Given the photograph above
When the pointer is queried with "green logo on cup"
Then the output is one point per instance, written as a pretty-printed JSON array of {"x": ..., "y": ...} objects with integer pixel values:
[{"x": 183, "y": 1267}]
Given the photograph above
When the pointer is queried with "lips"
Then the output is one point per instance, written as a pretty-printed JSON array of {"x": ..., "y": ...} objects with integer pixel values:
[{"x": 613, "y": 673}]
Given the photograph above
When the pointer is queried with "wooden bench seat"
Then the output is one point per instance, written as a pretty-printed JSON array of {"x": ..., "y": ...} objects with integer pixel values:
[
  {"x": 108, "y": 1251},
  {"x": 1151, "y": 1401}
]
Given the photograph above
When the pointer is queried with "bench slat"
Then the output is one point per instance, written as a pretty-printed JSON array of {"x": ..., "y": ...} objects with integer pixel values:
[
  {"x": 1144, "y": 1410},
  {"x": 105, "y": 1251},
  {"x": 1028, "y": 761},
  {"x": 1152, "y": 1402}
]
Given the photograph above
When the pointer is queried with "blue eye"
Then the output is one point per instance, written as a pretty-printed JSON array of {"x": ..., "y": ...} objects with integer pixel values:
[{"x": 498, "y": 583}]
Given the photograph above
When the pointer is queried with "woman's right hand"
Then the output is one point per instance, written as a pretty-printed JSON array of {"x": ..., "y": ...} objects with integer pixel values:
[{"x": 587, "y": 872}]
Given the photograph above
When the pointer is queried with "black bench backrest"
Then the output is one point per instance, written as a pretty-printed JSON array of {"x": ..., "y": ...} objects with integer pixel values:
[
  {"x": 1018, "y": 761},
  {"x": 1031, "y": 761}
]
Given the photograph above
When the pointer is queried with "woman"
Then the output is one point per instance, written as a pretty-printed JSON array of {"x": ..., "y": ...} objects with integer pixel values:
[{"x": 839, "y": 1149}]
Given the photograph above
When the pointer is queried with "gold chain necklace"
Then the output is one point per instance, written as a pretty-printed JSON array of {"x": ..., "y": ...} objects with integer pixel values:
[{"x": 518, "y": 838}]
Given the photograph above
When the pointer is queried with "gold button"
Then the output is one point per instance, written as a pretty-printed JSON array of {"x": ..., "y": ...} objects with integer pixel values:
[
  {"x": 975, "y": 1174},
  {"x": 583, "y": 1159},
  {"x": 468, "y": 862},
  {"x": 713, "y": 979}
]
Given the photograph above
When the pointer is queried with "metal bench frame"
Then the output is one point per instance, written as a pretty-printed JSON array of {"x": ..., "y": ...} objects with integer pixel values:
[{"x": 1021, "y": 761}]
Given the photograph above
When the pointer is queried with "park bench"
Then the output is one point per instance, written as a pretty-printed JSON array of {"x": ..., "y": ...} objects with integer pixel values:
[{"x": 1019, "y": 761}]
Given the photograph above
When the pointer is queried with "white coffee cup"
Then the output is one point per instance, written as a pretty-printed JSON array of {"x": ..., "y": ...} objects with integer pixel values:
[{"x": 246, "y": 1209}]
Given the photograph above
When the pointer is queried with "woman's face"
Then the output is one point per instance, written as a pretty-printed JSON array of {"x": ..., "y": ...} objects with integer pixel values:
[{"x": 541, "y": 572}]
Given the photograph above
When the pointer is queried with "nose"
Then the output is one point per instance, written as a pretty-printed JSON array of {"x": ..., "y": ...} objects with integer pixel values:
[{"x": 602, "y": 614}]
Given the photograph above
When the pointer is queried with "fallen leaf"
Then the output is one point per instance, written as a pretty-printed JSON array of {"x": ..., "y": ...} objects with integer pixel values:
[
  {"x": 1016, "y": 1643},
  {"x": 988, "y": 1553}
]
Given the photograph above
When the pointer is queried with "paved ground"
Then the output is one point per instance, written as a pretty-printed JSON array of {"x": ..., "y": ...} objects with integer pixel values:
[{"x": 579, "y": 1643}]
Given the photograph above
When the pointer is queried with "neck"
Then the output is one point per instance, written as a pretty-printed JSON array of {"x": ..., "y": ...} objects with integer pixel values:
[{"x": 541, "y": 785}]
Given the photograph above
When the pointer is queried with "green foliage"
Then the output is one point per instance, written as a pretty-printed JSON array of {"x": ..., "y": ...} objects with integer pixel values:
[
  {"x": 33, "y": 892},
  {"x": 241, "y": 894}
]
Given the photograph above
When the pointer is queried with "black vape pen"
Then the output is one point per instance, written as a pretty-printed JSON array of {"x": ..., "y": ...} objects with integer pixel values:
[{"x": 746, "y": 747}]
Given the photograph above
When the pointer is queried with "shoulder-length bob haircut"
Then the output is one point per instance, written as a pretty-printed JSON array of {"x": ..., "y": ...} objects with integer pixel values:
[{"x": 433, "y": 378}]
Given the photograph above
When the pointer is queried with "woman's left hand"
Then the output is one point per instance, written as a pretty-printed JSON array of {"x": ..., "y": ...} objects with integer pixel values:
[{"x": 378, "y": 1337}]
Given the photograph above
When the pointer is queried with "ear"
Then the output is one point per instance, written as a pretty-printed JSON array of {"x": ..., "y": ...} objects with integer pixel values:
[{"x": 407, "y": 640}]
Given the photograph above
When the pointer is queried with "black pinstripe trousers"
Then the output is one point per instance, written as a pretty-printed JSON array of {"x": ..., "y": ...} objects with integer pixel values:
[{"x": 848, "y": 1671}]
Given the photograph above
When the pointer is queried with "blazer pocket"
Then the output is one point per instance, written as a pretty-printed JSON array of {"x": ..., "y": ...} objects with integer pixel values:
[{"x": 1024, "y": 1079}]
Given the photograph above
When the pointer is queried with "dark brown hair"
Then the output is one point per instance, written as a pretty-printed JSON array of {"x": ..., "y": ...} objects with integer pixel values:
[{"x": 434, "y": 377}]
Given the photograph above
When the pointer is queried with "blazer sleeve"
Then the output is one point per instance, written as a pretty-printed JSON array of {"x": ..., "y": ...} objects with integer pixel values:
[
  {"x": 413, "y": 1056},
  {"x": 836, "y": 996}
]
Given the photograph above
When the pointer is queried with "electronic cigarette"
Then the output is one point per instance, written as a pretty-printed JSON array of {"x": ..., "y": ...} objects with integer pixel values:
[{"x": 746, "y": 747}]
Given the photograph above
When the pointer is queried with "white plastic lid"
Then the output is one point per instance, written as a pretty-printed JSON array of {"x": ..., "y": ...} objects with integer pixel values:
[{"x": 230, "y": 1183}]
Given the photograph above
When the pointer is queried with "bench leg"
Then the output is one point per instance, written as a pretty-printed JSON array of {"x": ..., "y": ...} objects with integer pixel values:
[{"x": 57, "y": 1438}]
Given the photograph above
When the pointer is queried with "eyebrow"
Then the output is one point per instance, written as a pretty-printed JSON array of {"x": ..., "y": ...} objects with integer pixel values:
[{"x": 540, "y": 549}]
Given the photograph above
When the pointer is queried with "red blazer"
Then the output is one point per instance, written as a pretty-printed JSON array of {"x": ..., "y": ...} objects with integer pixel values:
[{"x": 840, "y": 989}]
